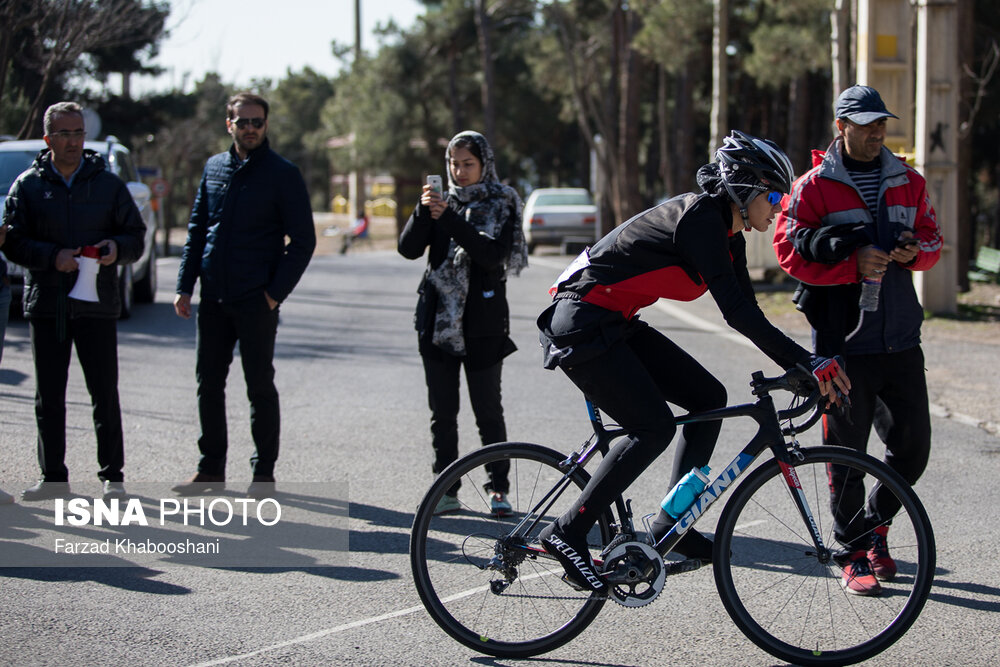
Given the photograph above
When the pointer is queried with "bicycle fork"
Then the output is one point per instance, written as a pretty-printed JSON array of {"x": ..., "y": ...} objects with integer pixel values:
[{"x": 794, "y": 486}]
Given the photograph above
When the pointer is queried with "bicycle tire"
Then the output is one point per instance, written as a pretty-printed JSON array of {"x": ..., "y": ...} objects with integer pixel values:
[
  {"x": 538, "y": 612},
  {"x": 779, "y": 593}
]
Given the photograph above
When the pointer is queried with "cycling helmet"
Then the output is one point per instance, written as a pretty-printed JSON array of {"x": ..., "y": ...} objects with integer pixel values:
[{"x": 752, "y": 165}]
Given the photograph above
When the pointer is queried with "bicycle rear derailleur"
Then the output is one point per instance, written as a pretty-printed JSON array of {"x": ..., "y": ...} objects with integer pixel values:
[{"x": 635, "y": 573}]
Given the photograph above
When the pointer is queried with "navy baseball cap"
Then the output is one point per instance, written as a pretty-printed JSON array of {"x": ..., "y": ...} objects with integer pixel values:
[{"x": 862, "y": 105}]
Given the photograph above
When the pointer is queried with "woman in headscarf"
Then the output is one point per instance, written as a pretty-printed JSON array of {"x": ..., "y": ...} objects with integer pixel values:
[{"x": 475, "y": 239}]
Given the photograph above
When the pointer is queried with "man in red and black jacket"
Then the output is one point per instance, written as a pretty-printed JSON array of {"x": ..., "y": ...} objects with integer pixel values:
[{"x": 862, "y": 215}]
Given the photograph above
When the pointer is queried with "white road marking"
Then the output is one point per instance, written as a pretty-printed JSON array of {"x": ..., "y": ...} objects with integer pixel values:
[
  {"x": 319, "y": 634},
  {"x": 312, "y": 636}
]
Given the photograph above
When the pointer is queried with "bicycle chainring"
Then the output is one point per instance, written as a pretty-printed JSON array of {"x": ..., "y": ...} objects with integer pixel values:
[{"x": 635, "y": 573}]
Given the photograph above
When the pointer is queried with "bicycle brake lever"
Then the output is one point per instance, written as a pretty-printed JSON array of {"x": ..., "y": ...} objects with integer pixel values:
[{"x": 843, "y": 408}]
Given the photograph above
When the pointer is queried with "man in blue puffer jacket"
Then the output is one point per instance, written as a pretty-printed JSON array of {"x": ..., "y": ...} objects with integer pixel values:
[
  {"x": 66, "y": 201},
  {"x": 250, "y": 199}
]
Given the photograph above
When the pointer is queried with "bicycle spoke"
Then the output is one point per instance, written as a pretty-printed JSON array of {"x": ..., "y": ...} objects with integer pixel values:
[
  {"x": 473, "y": 571},
  {"x": 789, "y": 599}
]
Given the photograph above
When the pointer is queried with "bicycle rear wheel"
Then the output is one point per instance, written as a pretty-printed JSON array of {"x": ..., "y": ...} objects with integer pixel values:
[
  {"x": 789, "y": 600},
  {"x": 484, "y": 579}
]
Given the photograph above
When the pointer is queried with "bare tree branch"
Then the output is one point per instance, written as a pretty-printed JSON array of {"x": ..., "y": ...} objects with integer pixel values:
[
  {"x": 64, "y": 30},
  {"x": 990, "y": 62},
  {"x": 14, "y": 18}
]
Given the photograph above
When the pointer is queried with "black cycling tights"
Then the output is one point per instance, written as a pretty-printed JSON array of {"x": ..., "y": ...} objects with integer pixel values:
[{"x": 632, "y": 382}]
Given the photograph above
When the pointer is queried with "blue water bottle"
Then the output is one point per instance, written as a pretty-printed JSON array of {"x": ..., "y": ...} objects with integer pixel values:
[{"x": 684, "y": 493}]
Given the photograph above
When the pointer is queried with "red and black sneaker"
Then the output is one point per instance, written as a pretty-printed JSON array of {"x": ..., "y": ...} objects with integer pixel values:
[
  {"x": 575, "y": 558},
  {"x": 883, "y": 565},
  {"x": 858, "y": 577}
]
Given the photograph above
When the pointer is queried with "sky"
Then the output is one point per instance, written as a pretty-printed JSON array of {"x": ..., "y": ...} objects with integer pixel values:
[{"x": 247, "y": 39}]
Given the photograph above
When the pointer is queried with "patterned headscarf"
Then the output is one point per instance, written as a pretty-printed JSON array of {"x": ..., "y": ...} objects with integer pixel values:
[{"x": 494, "y": 205}]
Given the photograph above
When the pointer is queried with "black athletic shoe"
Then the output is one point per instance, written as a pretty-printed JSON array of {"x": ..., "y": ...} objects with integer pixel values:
[
  {"x": 575, "y": 558},
  {"x": 695, "y": 545},
  {"x": 692, "y": 545}
]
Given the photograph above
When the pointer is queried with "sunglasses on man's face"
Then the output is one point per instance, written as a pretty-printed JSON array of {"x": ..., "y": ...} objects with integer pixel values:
[
  {"x": 241, "y": 123},
  {"x": 773, "y": 197},
  {"x": 64, "y": 135}
]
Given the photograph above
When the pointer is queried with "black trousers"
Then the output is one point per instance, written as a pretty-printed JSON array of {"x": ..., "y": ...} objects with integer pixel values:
[
  {"x": 96, "y": 342},
  {"x": 889, "y": 392},
  {"x": 441, "y": 372},
  {"x": 253, "y": 325},
  {"x": 632, "y": 382}
]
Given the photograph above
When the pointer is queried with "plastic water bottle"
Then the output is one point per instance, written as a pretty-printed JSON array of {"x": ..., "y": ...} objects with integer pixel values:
[
  {"x": 870, "y": 288},
  {"x": 684, "y": 493}
]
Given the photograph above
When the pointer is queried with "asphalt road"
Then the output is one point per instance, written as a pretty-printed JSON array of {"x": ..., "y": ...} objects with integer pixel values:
[{"x": 354, "y": 413}]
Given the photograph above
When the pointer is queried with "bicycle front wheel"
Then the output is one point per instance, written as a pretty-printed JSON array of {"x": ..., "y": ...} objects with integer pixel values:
[
  {"x": 484, "y": 579},
  {"x": 789, "y": 598}
]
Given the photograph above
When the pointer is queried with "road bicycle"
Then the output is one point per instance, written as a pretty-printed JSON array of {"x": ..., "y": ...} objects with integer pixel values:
[{"x": 778, "y": 566}]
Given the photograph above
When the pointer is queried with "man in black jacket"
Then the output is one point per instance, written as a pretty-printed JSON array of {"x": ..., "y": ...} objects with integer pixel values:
[
  {"x": 5, "y": 498},
  {"x": 249, "y": 200},
  {"x": 64, "y": 202}
]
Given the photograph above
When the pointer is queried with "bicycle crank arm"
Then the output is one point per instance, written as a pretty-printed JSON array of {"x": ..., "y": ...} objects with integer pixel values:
[{"x": 682, "y": 566}]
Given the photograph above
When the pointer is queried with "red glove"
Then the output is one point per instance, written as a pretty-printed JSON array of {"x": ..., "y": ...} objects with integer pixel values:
[{"x": 824, "y": 369}]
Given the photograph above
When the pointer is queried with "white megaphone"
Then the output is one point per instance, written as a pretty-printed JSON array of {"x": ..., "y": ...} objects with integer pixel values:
[{"x": 85, "y": 288}]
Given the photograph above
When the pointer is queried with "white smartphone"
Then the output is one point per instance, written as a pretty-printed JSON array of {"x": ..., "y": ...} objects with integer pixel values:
[{"x": 435, "y": 182}]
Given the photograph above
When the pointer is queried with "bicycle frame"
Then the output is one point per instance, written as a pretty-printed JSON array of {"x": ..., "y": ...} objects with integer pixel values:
[{"x": 769, "y": 435}]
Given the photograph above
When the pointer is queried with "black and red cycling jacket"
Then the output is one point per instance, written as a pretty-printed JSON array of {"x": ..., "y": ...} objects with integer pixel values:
[{"x": 677, "y": 250}]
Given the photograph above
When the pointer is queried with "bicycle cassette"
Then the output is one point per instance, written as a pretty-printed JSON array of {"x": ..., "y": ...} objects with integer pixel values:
[{"x": 635, "y": 573}]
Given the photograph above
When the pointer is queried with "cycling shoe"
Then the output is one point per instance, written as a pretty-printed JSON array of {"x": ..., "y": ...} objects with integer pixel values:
[
  {"x": 573, "y": 554},
  {"x": 695, "y": 545},
  {"x": 692, "y": 545}
]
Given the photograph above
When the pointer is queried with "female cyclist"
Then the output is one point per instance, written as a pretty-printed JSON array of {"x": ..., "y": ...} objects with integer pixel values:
[{"x": 682, "y": 248}]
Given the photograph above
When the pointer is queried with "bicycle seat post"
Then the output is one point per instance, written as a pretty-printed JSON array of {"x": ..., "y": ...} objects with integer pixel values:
[{"x": 603, "y": 434}]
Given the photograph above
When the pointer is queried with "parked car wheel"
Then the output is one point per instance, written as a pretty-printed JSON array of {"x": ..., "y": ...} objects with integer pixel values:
[
  {"x": 126, "y": 290},
  {"x": 145, "y": 287}
]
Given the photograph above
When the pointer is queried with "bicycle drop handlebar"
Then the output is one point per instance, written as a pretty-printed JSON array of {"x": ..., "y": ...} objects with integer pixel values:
[{"x": 796, "y": 381}]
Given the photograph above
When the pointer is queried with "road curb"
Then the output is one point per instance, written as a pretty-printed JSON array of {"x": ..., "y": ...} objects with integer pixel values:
[{"x": 941, "y": 411}]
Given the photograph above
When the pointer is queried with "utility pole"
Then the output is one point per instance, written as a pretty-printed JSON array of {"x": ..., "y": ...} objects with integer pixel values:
[
  {"x": 356, "y": 181},
  {"x": 840, "y": 45},
  {"x": 484, "y": 26},
  {"x": 720, "y": 76}
]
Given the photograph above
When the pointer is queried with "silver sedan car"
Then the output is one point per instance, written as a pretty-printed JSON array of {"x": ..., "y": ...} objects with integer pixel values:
[{"x": 559, "y": 216}]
